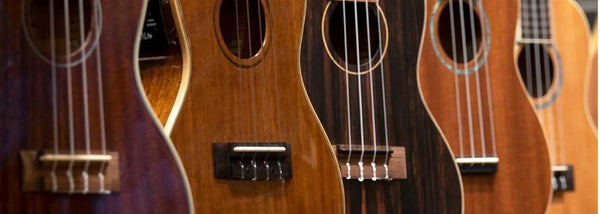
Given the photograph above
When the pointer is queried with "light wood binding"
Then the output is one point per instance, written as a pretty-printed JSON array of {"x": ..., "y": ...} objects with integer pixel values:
[
  {"x": 165, "y": 81},
  {"x": 218, "y": 109},
  {"x": 522, "y": 181},
  {"x": 151, "y": 176},
  {"x": 570, "y": 32},
  {"x": 592, "y": 80}
]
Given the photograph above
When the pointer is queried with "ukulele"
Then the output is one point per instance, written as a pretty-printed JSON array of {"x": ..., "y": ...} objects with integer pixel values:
[
  {"x": 359, "y": 67},
  {"x": 246, "y": 133},
  {"x": 77, "y": 132},
  {"x": 551, "y": 56},
  {"x": 474, "y": 94},
  {"x": 164, "y": 61}
]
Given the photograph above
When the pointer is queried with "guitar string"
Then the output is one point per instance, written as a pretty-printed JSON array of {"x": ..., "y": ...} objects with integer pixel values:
[
  {"x": 362, "y": 134},
  {"x": 97, "y": 24},
  {"x": 260, "y": 27},
  {"x": 263, "y": 71},
  {"x": 69, "y": 94},
  {"x": 348, "y": 176},
  {"x": 525, "y": 25},
  {"x": 54, "y": 94},
  {"x": 456, "y": 80},
  {"x": 489, "y": 92},
  {"x": 84, "y": 173},
  {"x": 546, "y": 75},
  {"x": 372, "y": 98},
  {"x": 238, "y": 66},
  {"x": 477, "y": 80},
  {"x": 555, "y": 109},
  {"x": 467, "y": 82},
  {"x": 383, "y": 94},
  {"x": 254, "y": 105},
  {"x": 538, "y": 71}
]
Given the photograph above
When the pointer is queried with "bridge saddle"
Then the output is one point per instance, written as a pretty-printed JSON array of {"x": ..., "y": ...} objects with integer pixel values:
[
  {"x": 66, "y": 173},
  {"x": 252, "y": 161},
  {"x": 394, "y": 168}
]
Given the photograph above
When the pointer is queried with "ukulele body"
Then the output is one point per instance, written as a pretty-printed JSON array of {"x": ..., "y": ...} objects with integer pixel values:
[
  {"x": 252, "y": 100},
  {"x": 521, "y": 182},
  {"x": 150, "y": 178},
  {"x": 433, "y": 181},
  {"x": 570, "y": 35}
]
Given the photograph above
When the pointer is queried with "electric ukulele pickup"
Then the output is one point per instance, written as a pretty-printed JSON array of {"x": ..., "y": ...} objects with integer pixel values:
[
  {"x": 252, "y": 161},
  {"x": 378, "y": 162},
  {"x": 562, "y": 178},
  {"x": 70, "y": 173}
]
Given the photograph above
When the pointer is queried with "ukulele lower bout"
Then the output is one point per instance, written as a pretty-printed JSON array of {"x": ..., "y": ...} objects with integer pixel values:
[{"x": 78, "y": 173}]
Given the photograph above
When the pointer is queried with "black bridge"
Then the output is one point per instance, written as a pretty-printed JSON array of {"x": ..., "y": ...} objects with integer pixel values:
[
  {"x": 562, "y": 178},
  {"x": 252, "y": 161},
  {"x": 477, "y": 165}
]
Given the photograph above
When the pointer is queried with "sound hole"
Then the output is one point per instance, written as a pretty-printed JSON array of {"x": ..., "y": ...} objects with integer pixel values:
[
  {"x": 242, "y": 25},
  {"x": 336, "y": 33},
  {"x": 536, "y": 67},
  {"x": 463, "y": 39},
  {"x": 37, "y": 18}
]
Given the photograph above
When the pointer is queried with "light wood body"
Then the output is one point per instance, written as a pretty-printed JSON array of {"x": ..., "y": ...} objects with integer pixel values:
[
  {"x": 570, "y": 33},
  {"x": 522, "y": 181},
  {"x": 262, "y": 103},
  {"x": 151, "y": 178},
  {"x": 432, "y": 184}
]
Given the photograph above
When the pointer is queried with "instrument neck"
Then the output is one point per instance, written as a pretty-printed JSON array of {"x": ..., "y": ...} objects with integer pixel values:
[{"x": 535, "y": 19}]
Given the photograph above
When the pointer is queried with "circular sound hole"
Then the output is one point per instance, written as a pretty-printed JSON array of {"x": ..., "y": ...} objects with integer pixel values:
[
  {"x": 38, "y": 16},
  {"x": 242, "y": 25},
  {"x": 342, "y": 48},
  {"x": 457, "y": 26},
  {"x": 536, "y": 67}
]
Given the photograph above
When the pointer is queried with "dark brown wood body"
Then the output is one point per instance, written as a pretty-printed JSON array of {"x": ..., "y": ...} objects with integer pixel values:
[
  {"x": 522, "y": 181},
  {"x": 149, "y": 175},
  {"x": 433, "y": 184},
  {"x": 262, "y": 103}
]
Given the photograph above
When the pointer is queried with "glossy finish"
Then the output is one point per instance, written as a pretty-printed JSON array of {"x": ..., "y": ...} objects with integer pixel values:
[
  {"x": 150, "y": 177},
  {"x": 433, "y": 183},
  {"x": 592, "y": 81},
  {"x": 571, "y": 36},
  {"x": 261, "y": 103},
  {"x": 522, "y": 181}
]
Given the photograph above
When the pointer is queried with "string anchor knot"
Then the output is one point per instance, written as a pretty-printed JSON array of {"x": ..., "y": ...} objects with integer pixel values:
[
  {"x": 361, "y": 169},
  {"x": 349, "y": 176},
  {"x": 387, "y": 174},
  {"x": 374, "y": 167}
]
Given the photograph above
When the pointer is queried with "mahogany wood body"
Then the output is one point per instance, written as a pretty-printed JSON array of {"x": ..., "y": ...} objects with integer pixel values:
[
  {"x": 522, "y": 181},
  {"x": 150, "y": 179},
  {"x": 570, "y": 32},
  {"x": 433, "y": 183},
  {"x": 261, "y": 103}
]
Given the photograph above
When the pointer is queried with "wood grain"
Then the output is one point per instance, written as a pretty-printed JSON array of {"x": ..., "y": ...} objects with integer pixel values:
[
  {"x": 151, "y": 181},
  {"x": 433, "y": 182},
  {"x": 570, "y": 31},
  {"x": 522, "y": 181},
  {"x": 259, "y": 103},
  {"x": 161, "y": 80}
]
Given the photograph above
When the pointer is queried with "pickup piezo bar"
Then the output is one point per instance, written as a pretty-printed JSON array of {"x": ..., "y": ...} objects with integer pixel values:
[
  {"x": 562, "y": 178},
  {"x": 478, "y": 165},
  {"x": 395, "y": 168},
  {"x": 66, "y": 173},
  {"x": 252, "y": 161}
]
